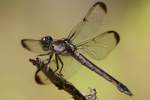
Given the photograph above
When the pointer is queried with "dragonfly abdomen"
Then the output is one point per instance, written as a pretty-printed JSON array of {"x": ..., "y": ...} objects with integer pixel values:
[{"x": 84, "y": 61}]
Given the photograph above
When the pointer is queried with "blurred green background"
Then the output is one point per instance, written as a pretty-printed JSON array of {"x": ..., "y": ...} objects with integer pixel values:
[{"x": 129, "y": 62}]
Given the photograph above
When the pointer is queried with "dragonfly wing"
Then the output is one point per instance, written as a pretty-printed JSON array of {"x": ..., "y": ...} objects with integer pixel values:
[
  {"x": 33, "y": 45},
  {"x": 41, "y": 78},
  {"x": 69, "y": 68},
  {"x": 101, "y": 45},
  {"x": 90, "y": 24}
]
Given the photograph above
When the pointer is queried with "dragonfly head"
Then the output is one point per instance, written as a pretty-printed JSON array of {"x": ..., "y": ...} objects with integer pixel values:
[{"x": 46, "y": 42}]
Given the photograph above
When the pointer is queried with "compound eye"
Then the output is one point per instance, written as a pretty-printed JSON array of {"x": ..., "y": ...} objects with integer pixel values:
[
  {"x": 49, "y": 38},
  {"x": 42, "y": 39},
  {"x": 46, "y": 40}
]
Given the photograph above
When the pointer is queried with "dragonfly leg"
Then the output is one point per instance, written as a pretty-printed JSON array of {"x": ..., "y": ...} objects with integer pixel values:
[
  {"x": 58, "y": 59},
  {"x": 37, "y": 79},
  {"x": 62, "y": 64},
  {"x": 50, "y": 57},
  {"x": 57, "y": 64},
  {"x": 43, "y": 54}
]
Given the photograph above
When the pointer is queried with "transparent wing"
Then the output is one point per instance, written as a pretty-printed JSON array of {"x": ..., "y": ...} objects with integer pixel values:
[
  {"x": 101, "y": 45},
  {"x": 69, "y": 69},
  {"x": 90, "y": 24},
  {"x": 33, "y": 45}
]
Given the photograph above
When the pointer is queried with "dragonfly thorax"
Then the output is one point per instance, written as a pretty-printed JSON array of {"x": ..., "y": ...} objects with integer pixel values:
[{"x": 63, "y": 47}]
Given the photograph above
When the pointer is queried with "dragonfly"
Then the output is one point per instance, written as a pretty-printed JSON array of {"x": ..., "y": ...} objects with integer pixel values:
[{"x": 84, "y": 39}]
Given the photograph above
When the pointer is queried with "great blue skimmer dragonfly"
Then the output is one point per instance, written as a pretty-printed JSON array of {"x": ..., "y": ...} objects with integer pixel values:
[{"x": 83, "y": 39}]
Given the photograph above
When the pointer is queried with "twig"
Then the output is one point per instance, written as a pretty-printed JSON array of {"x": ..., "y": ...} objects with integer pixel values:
[
  {"x": 61, "y": 83},
  {"x": 57, "y": 80}
]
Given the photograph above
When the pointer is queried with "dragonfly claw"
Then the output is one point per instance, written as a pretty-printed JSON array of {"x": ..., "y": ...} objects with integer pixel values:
[{"x": 60, "y": 74}]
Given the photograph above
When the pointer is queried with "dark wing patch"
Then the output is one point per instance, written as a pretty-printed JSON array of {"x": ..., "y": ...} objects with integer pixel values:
[
  {"x": 101, "y": 45},
  {"x": 102, "y": 5},
  {"x": 41, "y": 78},
  {"x": 116, "y": 35},
  {"x": 33, "y": 45},
  {"x": 38, "y": 80},
  {"x": 23, "y": 42},
  {"x": 89, "y": 26}
]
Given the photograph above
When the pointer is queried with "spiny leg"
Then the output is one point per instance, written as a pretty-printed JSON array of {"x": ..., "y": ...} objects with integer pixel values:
[
  {"x": 50, "y": 57},
  {"x": 62, "y": 64},
  {"x": 57, "y": 64},
  {"x": 43, "y": 54}
]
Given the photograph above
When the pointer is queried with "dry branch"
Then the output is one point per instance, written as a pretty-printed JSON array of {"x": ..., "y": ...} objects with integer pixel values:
[{"x": 62, "y": 83}]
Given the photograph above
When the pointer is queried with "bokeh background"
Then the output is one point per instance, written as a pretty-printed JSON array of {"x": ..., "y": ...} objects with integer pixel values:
[{"x": 129, "y": 62}]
